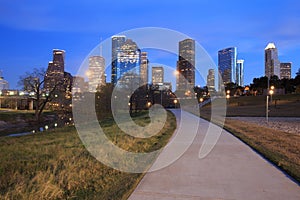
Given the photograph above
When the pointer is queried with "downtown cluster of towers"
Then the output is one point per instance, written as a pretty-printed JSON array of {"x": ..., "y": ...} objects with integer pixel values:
[
  {"x": 130, "y": 64},
  {"x": 231, "y": 68}
]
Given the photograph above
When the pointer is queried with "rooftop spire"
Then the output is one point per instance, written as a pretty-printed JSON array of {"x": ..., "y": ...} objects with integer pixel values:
[{"x": 270, "y": 46}]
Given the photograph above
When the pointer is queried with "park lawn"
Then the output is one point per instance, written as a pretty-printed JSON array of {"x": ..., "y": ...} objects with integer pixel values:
[
  {"x": 56, "y": 165},
  {"x": 281, "y": 148}
]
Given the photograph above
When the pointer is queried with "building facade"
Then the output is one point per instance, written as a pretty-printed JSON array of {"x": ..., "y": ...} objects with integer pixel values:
[
  {"x": 144, "y": 68},
  {"x": 55, "y": 71},
  {"x": 227, "y": 64},
  {"x": 126, "y": 60},
  {"x": 239, "y": 73},
  {"x": 117, "y": 42},
  {"x": 157, "y": 75},
  {"x": 96, "y": 72},
  {"x": 78, "y": 84},
  {"x": 272, "y": 63},
  {"x": 210, "y": 83},
  {"x": 285, "y": 70},
  {"x": 186, "y": 65}
]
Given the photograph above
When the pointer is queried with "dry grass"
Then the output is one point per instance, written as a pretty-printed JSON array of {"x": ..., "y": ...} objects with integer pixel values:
[
  {"x": 281, "y": 148},
  {"x": 55, "y": 165}
]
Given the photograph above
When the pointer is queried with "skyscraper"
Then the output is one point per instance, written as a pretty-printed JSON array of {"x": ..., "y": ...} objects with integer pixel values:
[
  {"x": 272, "y": 64},
  {"x": 186, "y": 65},
  {"x": 96, "y": 73},
  {"x": 55, "y": 72},
  {"x": 239, "y": 72},
  {"x": 211, "y": 80},
  {"x": 144, "y": 68},
  {"x": 128, "y": 63},
  {"x": 117, "y": 42},
  {"x": 227, "y": 64},
  {"x": 78, "y": 84},
  {"x": 285, "y": 70},
  {"x": 157, "y": 75}
]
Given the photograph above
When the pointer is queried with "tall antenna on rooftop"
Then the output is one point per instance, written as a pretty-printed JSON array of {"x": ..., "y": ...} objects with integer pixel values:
[{"x": 100, "y": 46}]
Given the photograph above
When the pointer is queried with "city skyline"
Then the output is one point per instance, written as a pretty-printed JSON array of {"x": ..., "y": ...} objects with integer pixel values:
[{"x": 31, "y": 30}]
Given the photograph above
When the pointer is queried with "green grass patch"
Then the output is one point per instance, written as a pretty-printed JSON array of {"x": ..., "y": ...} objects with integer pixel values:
[{"x": 56, "y": 165}]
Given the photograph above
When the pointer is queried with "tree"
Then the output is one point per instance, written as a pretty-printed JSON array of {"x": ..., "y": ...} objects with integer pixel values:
[
  {"x": 259, "y": 84},
  {"x": 298, "y": 72},
  {"x": 33, "y": 83},
  {"x": 103, "y": 100}
]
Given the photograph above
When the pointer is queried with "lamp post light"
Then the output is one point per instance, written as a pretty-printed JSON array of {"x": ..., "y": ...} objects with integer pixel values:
[
  {"x": 175, "y": 102},
  {"x": 272, "y": 92}
]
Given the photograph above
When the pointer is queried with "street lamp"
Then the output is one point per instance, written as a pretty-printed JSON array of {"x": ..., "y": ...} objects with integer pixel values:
[
  {"x": 149, "y": 104},
  {"x": 175, "y": 102},
  {"x": 271, "y": 92}
]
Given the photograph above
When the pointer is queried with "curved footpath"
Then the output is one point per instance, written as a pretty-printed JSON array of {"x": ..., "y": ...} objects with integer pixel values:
[{"x": 232, "y": 170}]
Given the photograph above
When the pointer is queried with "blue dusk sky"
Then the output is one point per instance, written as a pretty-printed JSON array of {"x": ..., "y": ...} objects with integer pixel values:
[{"x": 31, "y": 29}]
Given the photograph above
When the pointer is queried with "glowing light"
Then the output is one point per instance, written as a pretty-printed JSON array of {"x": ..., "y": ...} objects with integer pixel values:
[
  {"x": 270, "y": 46},
  {"x": 176, "y": 72}
]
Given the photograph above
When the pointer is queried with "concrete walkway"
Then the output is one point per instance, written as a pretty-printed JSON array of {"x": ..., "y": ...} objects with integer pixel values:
[{"x": 231, "y": 171}]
